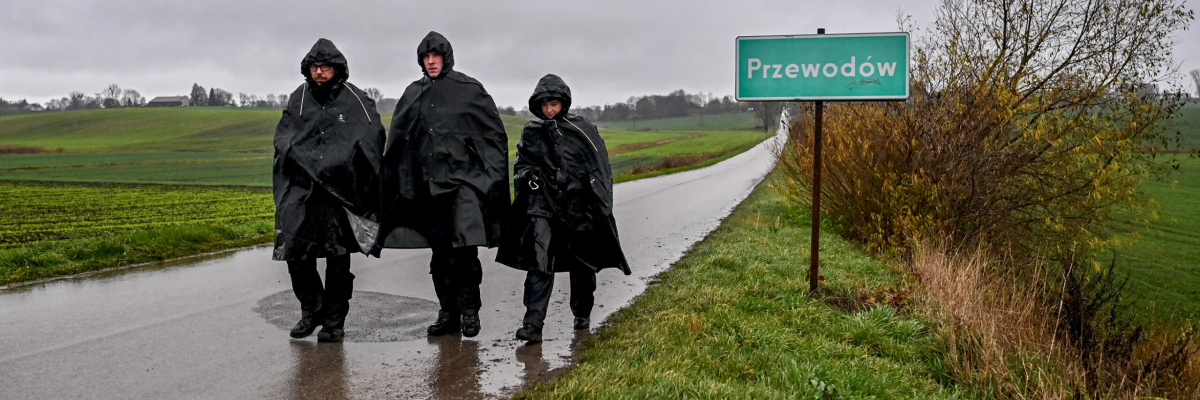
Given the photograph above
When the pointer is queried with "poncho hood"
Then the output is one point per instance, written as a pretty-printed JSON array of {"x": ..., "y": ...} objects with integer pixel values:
[
  {"x": 548, "y": 88},
  {"x": 435, "y": 42},
  {"x": 325, "y": 51}
]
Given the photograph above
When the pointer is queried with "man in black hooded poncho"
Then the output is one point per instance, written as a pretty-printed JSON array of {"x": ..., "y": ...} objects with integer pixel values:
[
  {"x": 446, "y": 172},
  {"x": 562, "y": 218},
  {"x": 328, "y": 147}
]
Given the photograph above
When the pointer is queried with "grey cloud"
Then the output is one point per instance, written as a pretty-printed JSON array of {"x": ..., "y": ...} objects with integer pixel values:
[{"x": 607, "y": 50}]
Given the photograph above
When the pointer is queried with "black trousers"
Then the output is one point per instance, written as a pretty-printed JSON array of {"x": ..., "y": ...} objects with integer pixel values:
[
  {"x": 539, "y": 285},
  {"x": 456, "y": 278},
  {"x": 331, "y": 301}
]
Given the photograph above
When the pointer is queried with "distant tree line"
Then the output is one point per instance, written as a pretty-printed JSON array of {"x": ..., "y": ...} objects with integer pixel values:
[
  {"x": 111, "y": 96},
  {"x": 114, "y": 96},
  {"x": 675, "y": 104},
  {"x": 19, "y": 105}
]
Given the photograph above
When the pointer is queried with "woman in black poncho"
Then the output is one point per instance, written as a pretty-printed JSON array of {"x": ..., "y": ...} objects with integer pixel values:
[{"x": 561, "y": 219}]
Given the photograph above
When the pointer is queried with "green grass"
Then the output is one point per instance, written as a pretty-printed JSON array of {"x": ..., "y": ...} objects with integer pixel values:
[
  {"x": 1164, "y": 266},
  {"x": 56, "y": 229},
  {"x": 31, "y": 212},
  {"x": 718, "y": 122},
  {"x": 243, "y": 169},
  {"x": 229, "y": 146},
  {"x": 719, "y": 145},
  {"x": 52, "y": 258},
  {"x": 1187, "y": 124},
  {"x": 732, "y": 320},
  {"x": 144, "y": 129}
]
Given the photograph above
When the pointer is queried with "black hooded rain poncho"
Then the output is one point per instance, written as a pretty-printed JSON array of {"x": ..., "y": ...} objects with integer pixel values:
[
  {"x": 446, "y": 161},
  {"x": 328, "y": 147},
  {"x": 563, "y": 180}
]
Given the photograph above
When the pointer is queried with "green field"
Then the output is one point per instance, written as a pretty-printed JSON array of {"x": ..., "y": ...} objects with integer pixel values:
[
  {"x": 31, "y": 212},
  {"x": 229, "y": 146},
  {"x": 244, "y": 169},
  {"x": 56, "y": 229},
  {"x": 1164, "y": 265},
  {"x": 715, "y": 144},
  {"x": 144, "y": 130},
  {"x": 718, "y": 122},
  {"x": 1187, "y": 123},
  {"x": 1164, "y": 262}
]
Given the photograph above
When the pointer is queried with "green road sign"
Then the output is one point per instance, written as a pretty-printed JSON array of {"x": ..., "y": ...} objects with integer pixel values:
[{"x": 860, "y": 66}]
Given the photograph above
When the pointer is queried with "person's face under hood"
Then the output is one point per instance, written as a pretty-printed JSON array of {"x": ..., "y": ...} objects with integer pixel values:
[
  {"x": 435, "y": 43},
  {"x": 433, "y": 63},
  {"x": 325, "y": 53},
  {"x": 550, "y": 87}
]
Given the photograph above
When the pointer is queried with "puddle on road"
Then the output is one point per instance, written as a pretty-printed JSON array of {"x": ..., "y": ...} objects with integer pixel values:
[{"x": 373, "y": 318}]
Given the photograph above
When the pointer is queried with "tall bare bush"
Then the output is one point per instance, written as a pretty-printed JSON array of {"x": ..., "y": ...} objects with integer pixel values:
[
  {"x": 1025, "y": 128},
  {"x": 1024, "y": 138}
]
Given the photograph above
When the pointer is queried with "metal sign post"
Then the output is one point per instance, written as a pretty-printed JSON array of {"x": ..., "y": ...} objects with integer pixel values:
[{"x": 820, "y": 68}]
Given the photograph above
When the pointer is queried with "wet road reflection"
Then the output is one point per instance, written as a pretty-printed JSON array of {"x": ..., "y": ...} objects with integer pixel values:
[
  {"x": 319, "y": 371},
  {"x": 530, "y": 355},
  {"x": 456, "y": 375}
]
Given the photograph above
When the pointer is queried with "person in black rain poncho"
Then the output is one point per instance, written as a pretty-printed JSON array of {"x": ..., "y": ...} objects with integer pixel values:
[
  {"x": 328, "y": 147},
  {"x": 446, "y": 180},
  {"x": 561, "y": 220}
]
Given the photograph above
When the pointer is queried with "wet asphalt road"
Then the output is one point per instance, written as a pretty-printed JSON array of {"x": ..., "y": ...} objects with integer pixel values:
[{"x": 216, "y": 327}]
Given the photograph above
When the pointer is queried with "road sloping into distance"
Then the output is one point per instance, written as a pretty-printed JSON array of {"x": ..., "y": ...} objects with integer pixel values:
[{"x": 216, "y": 327}]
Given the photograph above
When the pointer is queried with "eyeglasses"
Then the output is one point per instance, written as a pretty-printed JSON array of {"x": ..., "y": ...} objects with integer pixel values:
[{"x": 322, "y": 67}]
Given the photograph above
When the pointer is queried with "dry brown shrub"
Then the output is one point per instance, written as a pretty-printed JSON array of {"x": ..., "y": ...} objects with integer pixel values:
[
  {"x": 994, "y": 332},
  {"x": 1000, "y": 336}
]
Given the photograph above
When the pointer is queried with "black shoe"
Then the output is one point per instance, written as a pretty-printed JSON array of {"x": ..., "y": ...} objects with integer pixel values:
[
  {"x": 529, "y": 333},
  {"x": 447, "y": 323},
  {"x": 309, "y": 320},
  {"x": 330, "y": 335},
  {"x": 582, "y": 323},
  {"x": 470, "y": 325}
]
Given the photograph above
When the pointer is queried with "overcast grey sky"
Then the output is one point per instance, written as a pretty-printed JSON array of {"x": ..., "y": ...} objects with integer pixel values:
[{"x": 606, "y": 50}]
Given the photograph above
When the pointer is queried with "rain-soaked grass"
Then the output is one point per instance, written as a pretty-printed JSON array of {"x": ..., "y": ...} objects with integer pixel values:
[
  {"x": 733, "y": 319},
  {"x": 49, "y": 230},
  {"x": 51, "y": 258}
]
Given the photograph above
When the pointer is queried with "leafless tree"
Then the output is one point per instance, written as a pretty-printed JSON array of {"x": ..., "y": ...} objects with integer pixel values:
[
  {"x": 374, "y": 94},
  {"x": 110, "y": 97},
  {"x": 1196, "y": 80},
  {"x": 111, "y": 92},
  {"x": 131, "y": 98}
]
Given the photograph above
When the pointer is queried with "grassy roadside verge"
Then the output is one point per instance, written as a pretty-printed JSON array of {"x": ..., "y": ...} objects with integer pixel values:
[
  {"x": 54, "y": 258},
  {"x": 732, "y": 320}
]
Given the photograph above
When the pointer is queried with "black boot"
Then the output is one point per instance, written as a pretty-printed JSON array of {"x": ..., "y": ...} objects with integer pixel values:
[
  {"x": 530, "y": 333},
  {"x": 582, "y": 323},
  {"x": 329, "y": 335},
  {"x": 470, "y": 325},
  {"x": 446, "y": 323},
  {"x": 311, "y": 316}
]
